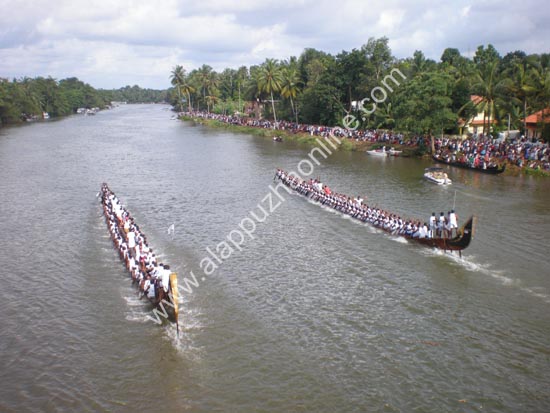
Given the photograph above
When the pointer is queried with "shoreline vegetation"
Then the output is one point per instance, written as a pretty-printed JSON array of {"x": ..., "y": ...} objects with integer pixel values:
[
  {"x": 416, "y": 151},
  {"x": 484, "y": 109},
  {"x": 31, "y": 99},
  {"x": 368, "y": 88}
]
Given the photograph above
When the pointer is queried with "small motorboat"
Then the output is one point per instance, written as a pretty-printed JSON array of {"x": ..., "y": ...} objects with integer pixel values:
[
  {"x": 378, "y": 152},
  {"x": 277, "y": 139},
  {"x": 437, "y": 176}
]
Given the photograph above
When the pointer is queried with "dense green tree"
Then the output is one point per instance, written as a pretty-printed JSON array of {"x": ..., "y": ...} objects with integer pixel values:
[
  {"x": 305, "y": 61},
  {"x": 423, "y": 104},
  {"x": 28, "y": 98},
  {"x": 350, "y": 71},
  {"x": 485, "y": 57},
  {"x": 451, "y": 56},
  {"x": 321, "y": 100},
  {"x": 379, "y": 57}
]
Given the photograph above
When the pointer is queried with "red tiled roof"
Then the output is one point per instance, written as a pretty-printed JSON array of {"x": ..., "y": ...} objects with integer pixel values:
[{"x": 538, "y": 117}]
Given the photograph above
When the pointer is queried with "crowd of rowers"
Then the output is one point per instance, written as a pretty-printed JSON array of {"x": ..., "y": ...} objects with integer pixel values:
[
  {"x": 436, "y": 227},
  {"x": 152, "y": 277}
]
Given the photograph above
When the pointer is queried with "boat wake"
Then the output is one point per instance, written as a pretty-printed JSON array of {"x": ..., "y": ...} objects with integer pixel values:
[
  {"x": 183, "y": 342},
  {"x": 469, "y": 263},
  {"x": 140, "y": 311}
]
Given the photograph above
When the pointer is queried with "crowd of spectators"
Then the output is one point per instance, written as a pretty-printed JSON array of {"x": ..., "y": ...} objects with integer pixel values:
[{"x": 522, "y": 152}]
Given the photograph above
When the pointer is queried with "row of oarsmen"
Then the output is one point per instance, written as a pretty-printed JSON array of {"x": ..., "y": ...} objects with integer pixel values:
[
  {"x": 132, "y": 245},
  {"x": 380, "y": 218}
]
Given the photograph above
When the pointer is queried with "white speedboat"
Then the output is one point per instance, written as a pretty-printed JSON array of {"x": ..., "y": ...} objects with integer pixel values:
[
  {"x": 378, "y": 152},
  {"x": 437, "y": 176}
]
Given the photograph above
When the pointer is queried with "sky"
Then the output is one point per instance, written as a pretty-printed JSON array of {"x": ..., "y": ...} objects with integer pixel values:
[{"x": 113, "y": 43}]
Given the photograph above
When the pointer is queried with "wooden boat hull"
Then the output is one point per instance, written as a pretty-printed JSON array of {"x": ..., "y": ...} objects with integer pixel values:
[
  {"x": 490, "y": 170},
  {"x": 457, "y": 243}
]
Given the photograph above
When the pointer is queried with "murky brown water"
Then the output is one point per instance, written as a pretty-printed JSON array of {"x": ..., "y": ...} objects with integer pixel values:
[{"x": 317, "y": 313}]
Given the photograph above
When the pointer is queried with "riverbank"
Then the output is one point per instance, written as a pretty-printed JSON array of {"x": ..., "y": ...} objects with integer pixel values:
[
  {"x": 348, "y": 144},
  {"x": 304, "y": 138}
]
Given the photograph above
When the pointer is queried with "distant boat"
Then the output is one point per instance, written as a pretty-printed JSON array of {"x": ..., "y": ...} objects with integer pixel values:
[
  {"x": 378, "y": 152},
  {"x": 492, "y": 170},
  {"x": 277, "y": 139},
  {"x": 437, "y": 176},
  {"x": 383, "y": 152}
]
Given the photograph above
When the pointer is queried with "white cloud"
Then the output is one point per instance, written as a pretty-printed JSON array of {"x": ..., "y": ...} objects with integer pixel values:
[
  {"x": 113, "y": 43},
  {"x": 390, "y": 20},
  {"x": 465, "y": 11}
]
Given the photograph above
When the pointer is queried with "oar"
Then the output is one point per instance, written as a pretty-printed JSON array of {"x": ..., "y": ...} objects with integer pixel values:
[{"x": 174, "y": 293}]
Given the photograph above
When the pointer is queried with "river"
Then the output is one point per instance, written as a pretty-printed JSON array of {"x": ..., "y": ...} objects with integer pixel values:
[{"x": 317, "y": 313}]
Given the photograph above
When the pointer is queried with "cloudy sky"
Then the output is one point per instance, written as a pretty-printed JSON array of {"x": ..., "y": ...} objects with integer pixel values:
[{"x": 113, "y": 43}]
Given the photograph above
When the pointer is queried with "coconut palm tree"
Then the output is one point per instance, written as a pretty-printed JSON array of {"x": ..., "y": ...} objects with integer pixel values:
[
  {"x": 270, "y": 80},
  {"x": 211, "y": 100},
  {"x": 187, "y": 89},
  {"x": 208, "y": 80},
  {"x": 289, "y": 86},
  {"x": 242, "y": 76},
  {"x": 489, "y": 87},
  {"x": 520, "y": 82},
  {"x": 177, "y": 78}
]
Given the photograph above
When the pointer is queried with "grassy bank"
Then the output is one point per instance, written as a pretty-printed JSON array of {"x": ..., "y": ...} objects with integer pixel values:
[{"x": 301, "y": 138}]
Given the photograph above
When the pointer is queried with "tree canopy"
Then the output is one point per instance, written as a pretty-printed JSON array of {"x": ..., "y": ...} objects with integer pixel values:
[
  {"x": 26, "y": 98},
  {"x": 435, "y": 96}
]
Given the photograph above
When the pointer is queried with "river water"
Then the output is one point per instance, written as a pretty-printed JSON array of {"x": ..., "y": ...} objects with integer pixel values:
[{"x": 317, "y": 313}]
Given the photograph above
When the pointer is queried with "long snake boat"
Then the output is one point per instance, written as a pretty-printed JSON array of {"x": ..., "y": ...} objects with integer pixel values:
[
  {"x": 489, "y": 169},
  {"x": 155, "y": 280},
  {"x": 378, "y": 218}
]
